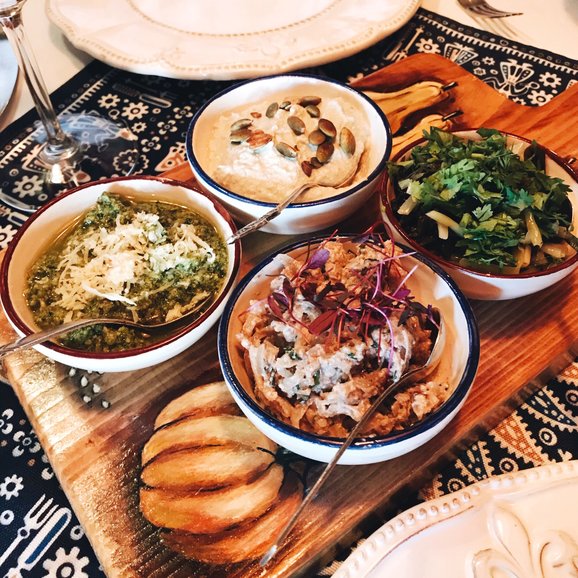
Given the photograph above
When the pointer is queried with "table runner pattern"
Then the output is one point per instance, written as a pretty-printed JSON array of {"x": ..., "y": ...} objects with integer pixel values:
[{"x": 157, "y": 111}]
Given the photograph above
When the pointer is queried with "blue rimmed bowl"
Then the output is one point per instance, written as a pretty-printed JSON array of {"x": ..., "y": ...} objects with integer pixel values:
[
  {"x": 207, "y": 134},
  {"x": 430, "y": 285}
]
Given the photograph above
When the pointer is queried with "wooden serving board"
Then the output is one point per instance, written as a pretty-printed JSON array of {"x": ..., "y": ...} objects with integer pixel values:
[{"x": 95, "y": 452}]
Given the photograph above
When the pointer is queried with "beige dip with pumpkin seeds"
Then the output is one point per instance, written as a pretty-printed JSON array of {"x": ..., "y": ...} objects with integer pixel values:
[{"x": 263, "y": 151}]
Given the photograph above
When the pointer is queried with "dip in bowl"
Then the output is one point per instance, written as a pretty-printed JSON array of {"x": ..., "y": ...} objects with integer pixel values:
[
  {"x": 139, "y": 248},
  {"x": 311, "y": 336},
  {"x": 497, "y": 211},
  {"x": 255, "y": 142}
]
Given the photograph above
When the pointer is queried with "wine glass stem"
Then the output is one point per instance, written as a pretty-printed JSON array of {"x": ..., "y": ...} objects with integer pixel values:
[{"x": 59, "y": 146}]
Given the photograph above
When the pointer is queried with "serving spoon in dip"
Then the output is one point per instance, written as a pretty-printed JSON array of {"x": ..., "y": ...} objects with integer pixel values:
[
  {"x": 47, "y": 334},
  {"x": 261, "y": 221},
  {"x": 409, "y": 376}
]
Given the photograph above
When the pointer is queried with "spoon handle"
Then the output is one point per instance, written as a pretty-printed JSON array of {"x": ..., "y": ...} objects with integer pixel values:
[
  {"x": 331, "y": 465},
  {"x": 35, "y": 338},
  {"x": 269, "y": 215},
  {"x": 41, "y": 336}
]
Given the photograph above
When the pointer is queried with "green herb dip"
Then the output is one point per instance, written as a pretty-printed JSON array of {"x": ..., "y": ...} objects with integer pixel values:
[{"x": 129, "y": 259}]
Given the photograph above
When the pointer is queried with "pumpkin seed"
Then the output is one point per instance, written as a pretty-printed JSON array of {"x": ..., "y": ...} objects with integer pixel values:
[
  {"x": 296, "y": 124},
  {"x": 313, "y": 111},
  {"x": 286, "y": 150},
  {"x": 314, "y": 162},
  {"x": 325, "y": 152},
  {"x": 271, "y": 110},
  {"x": 316, "y": 137},
  {"x": 256, "y": 141},
  {"x": 240, "y": 136},
  {"x": 285, "y": 105},
  {"x": 327, "y": 127},
  {"x": 307, "y": 100},
  {"x": 241, "y": 123},
  {"x": 307, "y": 168},
  {"x": 347, "y": 141}
]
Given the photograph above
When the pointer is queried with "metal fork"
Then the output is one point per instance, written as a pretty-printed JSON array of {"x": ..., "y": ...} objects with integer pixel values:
[
  {"x": 482, "y": 8},
  {"x": 33, "y": 520}
]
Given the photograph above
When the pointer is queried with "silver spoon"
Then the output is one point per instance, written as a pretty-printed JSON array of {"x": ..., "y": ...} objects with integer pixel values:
[
  {"x": 41, "y": 336},
  {"x": 261, "y": 221},
  {"x": 411, "y": 375},
  {"x": 16, "y": 204}
]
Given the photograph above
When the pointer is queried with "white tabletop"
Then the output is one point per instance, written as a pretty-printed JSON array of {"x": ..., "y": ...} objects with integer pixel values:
[{"x": 59, "y": 60}]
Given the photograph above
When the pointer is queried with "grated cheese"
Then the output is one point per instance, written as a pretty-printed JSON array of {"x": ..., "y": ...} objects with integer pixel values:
[{"x": 111, "y": 264}]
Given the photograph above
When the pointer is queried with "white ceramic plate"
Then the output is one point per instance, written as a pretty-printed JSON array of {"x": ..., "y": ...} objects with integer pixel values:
[
  {"x": 225, "y": 39},
  {"x": 520, "y": 525}
]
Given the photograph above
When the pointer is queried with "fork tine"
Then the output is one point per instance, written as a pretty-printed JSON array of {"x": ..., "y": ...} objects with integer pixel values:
[
  {"x": 504, "y": 15},
  {"x": 43, "y": 509},
  {"x": 502, "y": 27},
  {"x": 490, "y": 12},
  {"x": 32, "y": 510},
  {"x": 46, "y": 515}
]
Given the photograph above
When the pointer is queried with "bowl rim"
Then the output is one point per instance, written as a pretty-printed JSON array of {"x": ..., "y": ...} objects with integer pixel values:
[
  {"x": 78, "y": 353},
  {"x": 385, "y": 185},
  {"x": 238, "y": 197},
  {"x": 362, "y": 443}
]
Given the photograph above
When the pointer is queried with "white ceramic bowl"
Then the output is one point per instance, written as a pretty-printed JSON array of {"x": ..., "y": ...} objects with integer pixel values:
[
  {"x": 429, "y": 284},
  {"x": 42, "y": 227},
  {"x": 492, "y": 286},
  {"x": 299, "y": 217}
]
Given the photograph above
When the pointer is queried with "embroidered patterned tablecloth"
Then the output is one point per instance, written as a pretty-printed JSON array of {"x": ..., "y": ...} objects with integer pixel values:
[{"x": 543, "y": 429}]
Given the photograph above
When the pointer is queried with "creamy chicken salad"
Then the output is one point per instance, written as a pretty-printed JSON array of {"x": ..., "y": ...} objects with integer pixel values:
[{"x": 335, "y": 327}]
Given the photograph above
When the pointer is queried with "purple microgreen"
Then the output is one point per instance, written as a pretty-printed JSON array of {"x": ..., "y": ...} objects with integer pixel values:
[
  {"x": 317, "y": 259},
  {"x": 366, "y": 303},
  {"x": 306, "y": 265},
  {"x": 277, "y": 304},
  {"x": 402, "y": 283},
  {"x": 431, "y": 317},
  {"x": 282, "y": 299},
  {"x": 288, "y": 289},
  {"x": 401, "y": 294},
  {"x": 340, "y": 323},
  {"x": 377, "y": 315},
  {"x": 405, "y": 314},
  {"x": 309, "y": 292},
  {"x": 391, "y": 346},
  {"x": 322, "y": 322}
]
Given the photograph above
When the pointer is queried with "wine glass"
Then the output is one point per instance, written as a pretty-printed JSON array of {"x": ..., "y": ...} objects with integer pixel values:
[{"x": 71, "y": 148}]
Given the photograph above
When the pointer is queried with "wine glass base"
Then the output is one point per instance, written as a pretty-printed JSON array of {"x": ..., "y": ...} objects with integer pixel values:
[{"x": 103, "y": 149}]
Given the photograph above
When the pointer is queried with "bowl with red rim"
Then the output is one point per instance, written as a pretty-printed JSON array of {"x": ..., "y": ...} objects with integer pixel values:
[
  {"x": 480, "y": 282},
  {"x": 41, "y": 230},
  {"x": 429, "y": 285}
]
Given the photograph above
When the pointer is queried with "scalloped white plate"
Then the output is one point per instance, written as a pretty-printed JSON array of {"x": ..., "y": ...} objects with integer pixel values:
[
  {"x": 225, "y": 39},
  {"x": 522, "y": 525}
]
